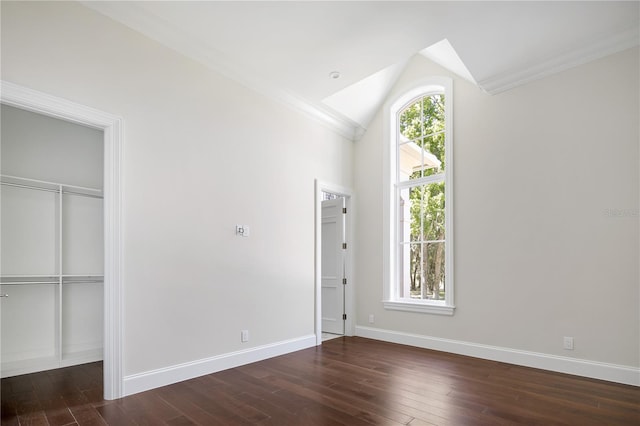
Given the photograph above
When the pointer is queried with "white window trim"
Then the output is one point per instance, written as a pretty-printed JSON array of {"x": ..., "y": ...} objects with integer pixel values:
[{"x": 390, "y": 213}]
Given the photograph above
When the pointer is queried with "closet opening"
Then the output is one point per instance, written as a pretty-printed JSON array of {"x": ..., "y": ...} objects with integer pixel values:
[
  {"x": 112, "y": 127},
  {"x": 52, "y": 243}
]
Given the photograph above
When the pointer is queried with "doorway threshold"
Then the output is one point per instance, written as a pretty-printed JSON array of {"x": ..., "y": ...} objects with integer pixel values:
[{"x": 329, "y": 336}]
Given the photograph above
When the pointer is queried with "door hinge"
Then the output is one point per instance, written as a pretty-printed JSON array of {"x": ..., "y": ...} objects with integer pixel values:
[
  {"x": 344, "y": 281},
  {"x": 344, "y": 246},
  {"x": 344, "y": 316},
  {"x": 344, "y": 210}
]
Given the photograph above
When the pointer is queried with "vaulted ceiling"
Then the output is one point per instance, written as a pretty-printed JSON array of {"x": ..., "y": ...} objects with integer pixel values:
[{"x": 288, "y": 50}]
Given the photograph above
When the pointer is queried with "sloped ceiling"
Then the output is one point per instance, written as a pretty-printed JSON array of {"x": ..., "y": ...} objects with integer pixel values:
[{"x": 287, "y": 50}]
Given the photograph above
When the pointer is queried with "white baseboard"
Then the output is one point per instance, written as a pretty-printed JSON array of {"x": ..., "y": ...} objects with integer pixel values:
[
  {"x": 141, "y": 382},
  {"x": 82, "y": 357},
  {"x": 580, "y": 367},
  {"x": 44, "y": 363},
  {"x": 28, "y": 366}
]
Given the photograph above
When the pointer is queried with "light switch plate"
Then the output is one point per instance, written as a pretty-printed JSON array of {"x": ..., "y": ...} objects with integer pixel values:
[{"x": 242, "y": 230}]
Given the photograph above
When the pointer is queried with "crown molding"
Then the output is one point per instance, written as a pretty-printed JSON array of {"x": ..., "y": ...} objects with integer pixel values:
[
  {"x": 139, "y": 18},
  {"x": 136, "y": 17},
  {"x": 623, "y": 40}
]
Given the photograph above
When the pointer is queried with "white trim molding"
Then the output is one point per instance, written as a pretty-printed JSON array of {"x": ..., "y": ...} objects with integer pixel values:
[
  {"x": 147, "y": 380},
  {"x": 627, "y": 375},
  {"x": 438, "y": 307},
  {"x": 391, "y": 186},
  {"x": 113, "y": 129},
  {"x": 137, "y": 17},
  {"x": 623, "y": 40}
]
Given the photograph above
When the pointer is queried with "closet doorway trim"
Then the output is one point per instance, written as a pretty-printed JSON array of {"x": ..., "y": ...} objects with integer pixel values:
[{"x": 112, "y": 127}]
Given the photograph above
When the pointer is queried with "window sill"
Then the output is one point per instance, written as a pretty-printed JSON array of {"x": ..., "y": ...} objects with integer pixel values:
[{"x": 425, "y": 307}]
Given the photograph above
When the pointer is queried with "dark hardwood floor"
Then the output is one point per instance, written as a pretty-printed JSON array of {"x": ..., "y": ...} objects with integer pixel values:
[{"x": 347, "y": 381}]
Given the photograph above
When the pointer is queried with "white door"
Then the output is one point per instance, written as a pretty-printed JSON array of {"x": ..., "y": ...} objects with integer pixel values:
[{"x": 333, "y": 265}]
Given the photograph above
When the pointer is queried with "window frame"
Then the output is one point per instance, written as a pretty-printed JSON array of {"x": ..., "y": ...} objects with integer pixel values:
[{"x": 392, "y": 185}]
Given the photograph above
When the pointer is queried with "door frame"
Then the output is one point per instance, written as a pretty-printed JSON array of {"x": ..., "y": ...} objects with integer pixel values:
[
  {"x": 347, "y": 193},
  {"x": 113, "y": 129},
  {"x": 333, "y": 219}
]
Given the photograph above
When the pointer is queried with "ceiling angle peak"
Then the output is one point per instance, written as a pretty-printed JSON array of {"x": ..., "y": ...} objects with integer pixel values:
[{"x": 445, "y": 55}]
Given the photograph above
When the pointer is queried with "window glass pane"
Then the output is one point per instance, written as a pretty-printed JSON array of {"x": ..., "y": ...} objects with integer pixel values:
[
  {"x": 434, "y": 271},
  {"x": 406, "y": 270},
  {"x": 410, "y": 120},
  {"x": 404, "y": 216},
  {"x": 433, "y": 217},
  {"x": 433, "y": 133},
  {"x": 410, "y": 268},
  {"x": 421, "y": 242},
  {"x": 417, "y": 271},
  {"x": 421, "y": 267},
  {"x": 421, "y": 213},
  {"x": 433, "y": 147},
  {"x": 410, "y": 161},
  {"x": 433, "y": 114},
  {"x": 410, "y": 155},
  {"x": 421, "y": 138},
  {"x": 411, "y": 214}
]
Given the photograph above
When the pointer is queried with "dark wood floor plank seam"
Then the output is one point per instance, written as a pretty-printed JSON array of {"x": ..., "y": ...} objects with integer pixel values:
[
  {"x": 350, "y": 398},
  {"x": 349, "y": 381}
]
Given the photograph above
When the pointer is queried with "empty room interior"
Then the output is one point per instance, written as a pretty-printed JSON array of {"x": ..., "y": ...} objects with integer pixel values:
[{"x": 319, "y": 213}]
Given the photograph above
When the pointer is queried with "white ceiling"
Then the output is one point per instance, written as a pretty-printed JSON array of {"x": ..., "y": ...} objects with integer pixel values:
[{"x": 287, "y": 50}]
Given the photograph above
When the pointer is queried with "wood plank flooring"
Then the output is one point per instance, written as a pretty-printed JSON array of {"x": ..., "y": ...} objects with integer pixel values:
[{"x": 347, "y": 381}]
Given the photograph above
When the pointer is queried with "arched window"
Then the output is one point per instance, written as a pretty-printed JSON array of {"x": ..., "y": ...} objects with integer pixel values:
[{"x": 419, "y": 275}]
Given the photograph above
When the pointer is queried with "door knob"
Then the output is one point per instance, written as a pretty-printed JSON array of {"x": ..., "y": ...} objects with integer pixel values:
[{"x": 4, "y": 295}]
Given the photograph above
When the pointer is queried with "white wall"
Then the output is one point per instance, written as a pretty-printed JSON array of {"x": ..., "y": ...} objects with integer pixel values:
[
  {"x": 38, "y": 147},
  {"x": 537, "y": 257},
  {"x": 201, "y": 153}
]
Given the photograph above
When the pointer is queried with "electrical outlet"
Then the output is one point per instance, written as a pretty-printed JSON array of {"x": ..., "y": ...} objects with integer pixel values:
[
  {"x": 568, "y": 343},
  {"x": 371, "y": 319},
  {"x": 244, "y": 336}
]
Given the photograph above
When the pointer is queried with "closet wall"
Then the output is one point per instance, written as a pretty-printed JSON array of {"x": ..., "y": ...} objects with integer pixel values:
[{"x": 51, "y": 243}]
